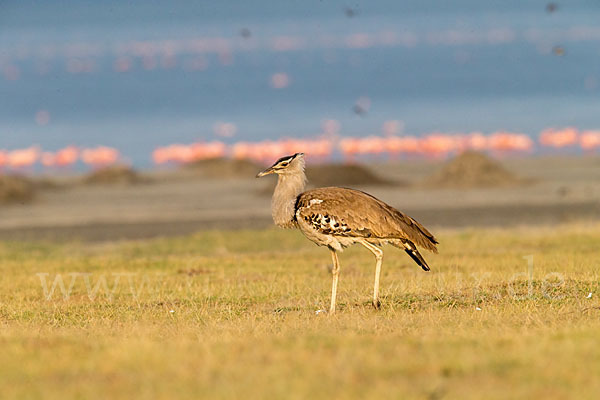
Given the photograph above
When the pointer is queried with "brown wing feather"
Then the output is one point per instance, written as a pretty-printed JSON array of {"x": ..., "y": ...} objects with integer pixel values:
[{"x": 359, "y": 214}]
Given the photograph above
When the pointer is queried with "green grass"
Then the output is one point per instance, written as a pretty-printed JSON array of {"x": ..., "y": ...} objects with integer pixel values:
[{"x": 232, "y": 315}]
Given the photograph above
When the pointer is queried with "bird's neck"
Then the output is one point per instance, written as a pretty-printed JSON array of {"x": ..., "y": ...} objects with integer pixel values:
[{"x": 284, "y": 198}]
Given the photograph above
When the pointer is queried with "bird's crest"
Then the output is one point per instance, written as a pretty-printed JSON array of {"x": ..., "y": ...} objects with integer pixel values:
[{"x": 287, "y": 165}]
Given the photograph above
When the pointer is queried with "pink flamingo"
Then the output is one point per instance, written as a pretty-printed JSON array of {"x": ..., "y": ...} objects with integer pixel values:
[
  {"x": 559, "y": 138},
  {"x": 3, "y": 158},
  {"x": 160, "y": 156},
  {"x": 509, "y": 142},
  {"x": 349, "y": 148},
  {"x": 372, "y": 145},
  {"x": 181, "y": 153},
  {"x": 476, "y": 141},
  {"x": 204, "y": 151},
  {"x": 271, "y": 149},
  {"x": 100, "y": 156},
  {"x": 23, "y": 158},
  {"x": 438, "y": 145},
  {"x": 393, "y": 145},
  {"x": 241, "y": 150},
  {"x": 589, "y": 140},
  {"x": 62, "y": 158},
  {"x": 321, "y": 148},
  {"x": 48, "y": 159},
  {"x": 67, "y": 156},
  {"x": 410, "y": 145},
  {"x": 173, "y": 153}
]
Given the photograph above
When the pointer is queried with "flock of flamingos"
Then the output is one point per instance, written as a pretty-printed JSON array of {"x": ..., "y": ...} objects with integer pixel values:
[{"x": 435, "y": 145}]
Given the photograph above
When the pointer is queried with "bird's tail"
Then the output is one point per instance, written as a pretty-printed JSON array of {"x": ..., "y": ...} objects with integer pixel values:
[
  {"x": 410, "y": 249},
  {"x": 415, "y": 255}
]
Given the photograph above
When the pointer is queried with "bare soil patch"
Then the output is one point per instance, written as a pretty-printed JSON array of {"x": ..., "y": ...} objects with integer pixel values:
[
  {"x": 472, "y": 170},
  {"x": 114, "y": 175},
  {"x": 16, "y": 189},
  {"x": 345, "y": 175}
]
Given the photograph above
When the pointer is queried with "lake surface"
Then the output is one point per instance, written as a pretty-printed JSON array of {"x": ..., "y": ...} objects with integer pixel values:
[{"x": 137, "y": 75}]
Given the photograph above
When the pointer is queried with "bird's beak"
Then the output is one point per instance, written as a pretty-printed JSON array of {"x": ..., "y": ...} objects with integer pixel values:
[{"x": 267, "y": 171}]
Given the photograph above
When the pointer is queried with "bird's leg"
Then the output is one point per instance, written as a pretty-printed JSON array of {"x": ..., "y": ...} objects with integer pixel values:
[
  {"x": 335, "y": 272},
  {"x": 378, "y": 253}
]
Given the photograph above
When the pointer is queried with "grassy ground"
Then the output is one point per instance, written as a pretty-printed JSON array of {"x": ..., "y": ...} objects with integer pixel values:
[{"x": 504, "y": 313}]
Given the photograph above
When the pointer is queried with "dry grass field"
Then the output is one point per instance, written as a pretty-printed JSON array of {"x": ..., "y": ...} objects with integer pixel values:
[{"x": 504, "y": 313}]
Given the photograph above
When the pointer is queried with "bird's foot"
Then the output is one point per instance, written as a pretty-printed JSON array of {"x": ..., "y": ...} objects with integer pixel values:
[{"x": 377, "y": 304}]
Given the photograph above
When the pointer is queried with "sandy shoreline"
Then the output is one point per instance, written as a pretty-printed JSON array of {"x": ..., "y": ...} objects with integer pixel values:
[{"x": 178, "y": 202}]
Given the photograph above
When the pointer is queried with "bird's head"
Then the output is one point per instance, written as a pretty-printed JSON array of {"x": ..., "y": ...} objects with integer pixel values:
[{"x": 288, "y": 165}]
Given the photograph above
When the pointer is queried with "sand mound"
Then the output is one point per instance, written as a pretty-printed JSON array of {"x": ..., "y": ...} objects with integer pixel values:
[
  {"x": 318, "y": 175},
  {"x": 49, "y": 183},
  {"x": 15, "y": 189},
  {"x": 344, "y": 175},
  {"x": 336, "y": 175},
  {"x": 114, "y": 175},
  {"x": 472, "y": 170},
  {"x": 224, "y": 168}
]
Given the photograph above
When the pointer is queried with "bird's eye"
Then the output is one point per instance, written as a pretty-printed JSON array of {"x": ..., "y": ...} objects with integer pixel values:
[{"x": 284, "y": 164}]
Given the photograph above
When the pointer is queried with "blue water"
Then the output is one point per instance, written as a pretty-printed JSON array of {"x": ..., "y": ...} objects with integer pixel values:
[{"x": 464, "y": 66}]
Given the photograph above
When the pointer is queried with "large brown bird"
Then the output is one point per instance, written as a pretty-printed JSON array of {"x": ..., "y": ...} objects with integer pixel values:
[{"x": 338, "y": 217}]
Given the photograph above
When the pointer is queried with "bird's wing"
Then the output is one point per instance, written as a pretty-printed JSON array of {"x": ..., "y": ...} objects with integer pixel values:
[{"x": 349, "y": 212}]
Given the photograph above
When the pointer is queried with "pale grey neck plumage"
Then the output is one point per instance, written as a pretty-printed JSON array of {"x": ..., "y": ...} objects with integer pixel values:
[{"x": 289, "y": 185}]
